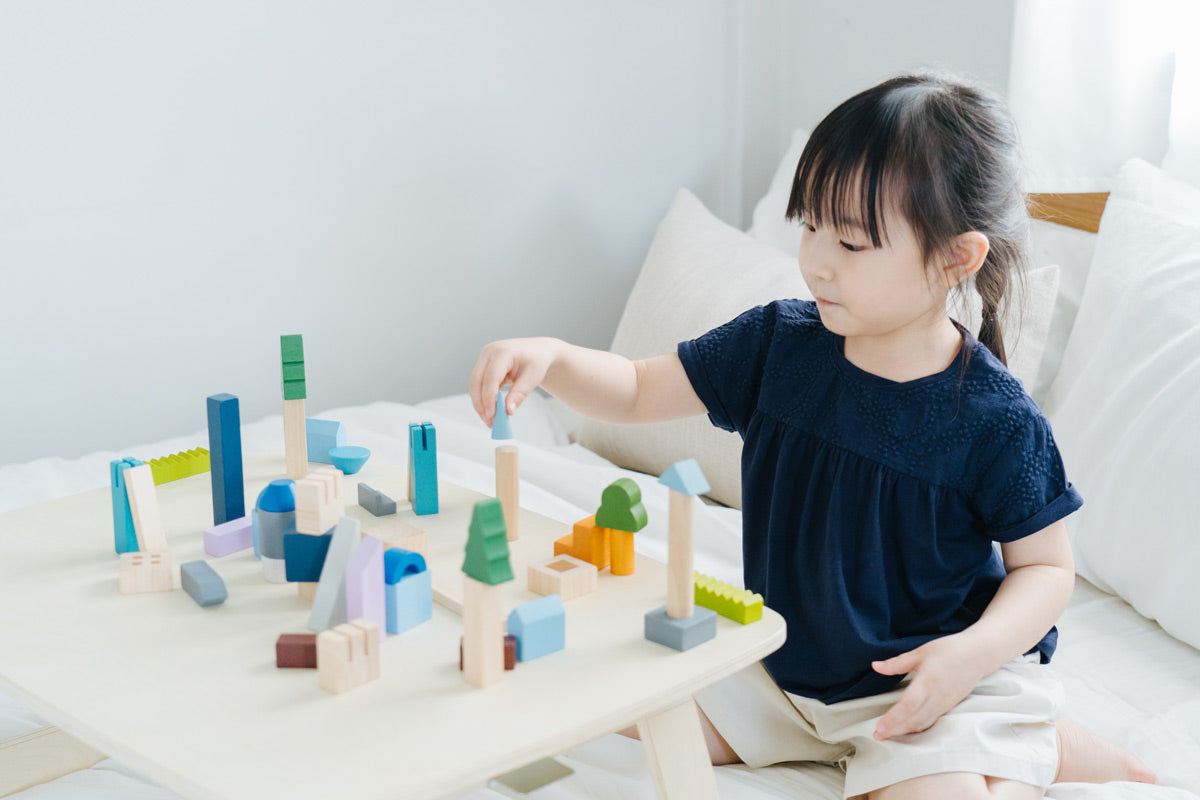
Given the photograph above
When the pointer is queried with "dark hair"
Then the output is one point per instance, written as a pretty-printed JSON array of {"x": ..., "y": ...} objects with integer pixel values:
[{"x": 945, "y": 152}]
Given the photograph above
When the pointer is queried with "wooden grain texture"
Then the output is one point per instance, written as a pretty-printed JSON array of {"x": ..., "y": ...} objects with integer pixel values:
[
  {"x": 1081, "y": 210},
  {"x": 677, "y": 755}
]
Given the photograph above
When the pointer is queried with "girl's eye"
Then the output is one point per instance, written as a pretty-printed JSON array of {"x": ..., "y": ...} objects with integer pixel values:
[
  {"x": 853, "y": 248},
  {"x": 810, "y": 228}
]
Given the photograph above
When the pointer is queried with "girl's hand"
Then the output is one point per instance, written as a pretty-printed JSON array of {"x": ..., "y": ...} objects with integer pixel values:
[
  {"x": 521, "y": 362},
  {"x": 944, "y": 673}
]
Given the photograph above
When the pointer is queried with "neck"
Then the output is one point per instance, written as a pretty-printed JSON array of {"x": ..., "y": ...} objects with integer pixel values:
[{"x": 914, "y": 351}]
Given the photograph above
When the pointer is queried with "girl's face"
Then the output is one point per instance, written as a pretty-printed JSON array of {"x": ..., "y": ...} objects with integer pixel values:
[{"x": 863, "y": 290}]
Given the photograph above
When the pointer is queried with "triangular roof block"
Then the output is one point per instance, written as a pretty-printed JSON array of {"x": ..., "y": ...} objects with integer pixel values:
[{"x": 685, "y": 477}]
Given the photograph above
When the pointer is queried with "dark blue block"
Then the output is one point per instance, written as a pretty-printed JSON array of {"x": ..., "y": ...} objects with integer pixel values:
[
  {"x": 225, "y": 458},
  {"x": 305, "y": 555}
]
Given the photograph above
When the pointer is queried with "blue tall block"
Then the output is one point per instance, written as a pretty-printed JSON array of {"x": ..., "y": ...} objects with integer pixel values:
[
  {"x": 321, "y": 435},
  {"x": 225, "y": 457},
  {"x": 422, "y": 468},
  {"x": 124, "y": 536}
]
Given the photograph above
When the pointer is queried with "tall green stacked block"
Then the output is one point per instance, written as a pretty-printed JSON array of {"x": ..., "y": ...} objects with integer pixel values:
[
  {"x": 225, "y": 458},
  {"x": 292, "y": 353},
  {"x": 486, "y": 559}
]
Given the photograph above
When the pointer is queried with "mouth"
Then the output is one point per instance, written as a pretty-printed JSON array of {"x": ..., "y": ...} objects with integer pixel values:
[{"x": 823, "y": 303}]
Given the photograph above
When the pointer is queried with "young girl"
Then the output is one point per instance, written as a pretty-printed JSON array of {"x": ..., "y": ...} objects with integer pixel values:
[{"x": 885, "y": 450}]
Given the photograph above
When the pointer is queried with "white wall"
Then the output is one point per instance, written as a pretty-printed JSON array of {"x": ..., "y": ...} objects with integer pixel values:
[{"x": 181, "y": 183}]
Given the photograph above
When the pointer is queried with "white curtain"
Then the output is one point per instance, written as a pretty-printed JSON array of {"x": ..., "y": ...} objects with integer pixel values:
[{"x": 1097, "y": 82}]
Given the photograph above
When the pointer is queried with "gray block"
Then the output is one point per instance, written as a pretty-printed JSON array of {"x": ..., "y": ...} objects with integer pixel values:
[
  {"x": 375, "y": 501},
  {"x": 272, "y": 525},
  {"x": 203, "y": 583},
  {"x": 681, "y": 634}
]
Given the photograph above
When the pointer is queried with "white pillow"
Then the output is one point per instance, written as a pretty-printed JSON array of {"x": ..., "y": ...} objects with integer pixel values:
[
  {"x": 1125, "y": 405},
  {"x": 699, "y": 274}
]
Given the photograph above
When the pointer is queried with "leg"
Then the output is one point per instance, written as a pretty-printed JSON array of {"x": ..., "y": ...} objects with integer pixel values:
[
  {"x": 957, "y": 786},
  {"x": 719, "y": 751},
  {"x": 1084, "y": 757},
  {"x": 675, "y": 751}
]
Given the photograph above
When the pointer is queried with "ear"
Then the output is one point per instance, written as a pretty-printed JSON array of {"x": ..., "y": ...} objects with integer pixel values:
[{"x": 967, "y": 254}]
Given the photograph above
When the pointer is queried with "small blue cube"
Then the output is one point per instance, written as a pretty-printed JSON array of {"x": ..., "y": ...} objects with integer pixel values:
[{"x": 409, "y": 601}]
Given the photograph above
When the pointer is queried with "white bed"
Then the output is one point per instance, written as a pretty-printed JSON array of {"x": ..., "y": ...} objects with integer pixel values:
[{"x": 1126, "y": 677}]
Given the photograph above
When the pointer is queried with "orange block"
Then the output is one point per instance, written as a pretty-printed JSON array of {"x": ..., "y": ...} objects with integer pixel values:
[
  {"x": 621, "y": 548},
  {"x": 587, "y": 542}
]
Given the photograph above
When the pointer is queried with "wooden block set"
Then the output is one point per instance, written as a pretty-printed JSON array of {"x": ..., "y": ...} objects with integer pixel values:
[{"x": 605, "y": 539}]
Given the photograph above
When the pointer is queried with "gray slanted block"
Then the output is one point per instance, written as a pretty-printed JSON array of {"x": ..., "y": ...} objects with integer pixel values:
[
  {"x": 681, "y": 634},
  {"x": 203, "y": 583},
  {"x": 375, "y": 501}
]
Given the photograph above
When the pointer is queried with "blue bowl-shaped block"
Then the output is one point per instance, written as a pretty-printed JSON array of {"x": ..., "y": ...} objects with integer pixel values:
[
  {"x": 349, "y": 458},
  {"x": 681, "y": 634},
  {"x": 409, "y": 602}
]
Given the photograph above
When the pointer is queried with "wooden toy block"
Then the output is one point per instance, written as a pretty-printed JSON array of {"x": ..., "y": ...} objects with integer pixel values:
[
  {"x": 409, "y": 601},
  {"x": 365, "y": 595},
  {"x": 143, "y": 503},
  {"x": 304, "y": 556},
  {"x": 397, "y": 533},
  {"x": 225, "y": 458},
  {"x": 124, "y": 534},
  {"x": 681, "y": 634},
  {"x": 179, "y": 465},
  {"x": 202, "y": 583},
  {"x": 322, "y": 435},
  {"x": 586, "y": 542},
  {"x": 291, "y": 355},
  {"x": 501, "y": 424},
  {"x": 486, "y": 557},
  {"x": 348, "y": 656},
  {"x": 508, "y": 488},
  {"x": 483, "y": 632},
  {"x": 621, "y": 507},
  {"x": 278, "y": 497},
  {"x": 329, "y": 604},
  {"x": 333, "y": 478},
  {"x": 566, "y": 576},
  {"x": 375, "y": 501},
  {"x": 685, "y": 477},
  {"x": 272, "y": 527},
  {"x": 739, "y": 605},
  {"x": 146, "y": 572},
  {"x": 274, "y": 570},
  {"x": 510, "y": 653},
  {"x": 307, "y": 590},
  {"x": 315, "y": 512},
  {"x": 540, "y": 627},
  {"x": 399, "y": 564},
  {"x": 422, "y": 468},
  {"x": 295, "y": 439},
  {"x": 296, "y": 651},
  {"x": 680, "y": 556},
  {"x": 621, "y": 552},
  {"x": 229, "y": 537}
]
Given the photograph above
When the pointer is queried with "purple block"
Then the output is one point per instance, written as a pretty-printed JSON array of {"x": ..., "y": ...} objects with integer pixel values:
[
  {"x": 364, "y": 584},
  {"x": 229, "y": 537}
]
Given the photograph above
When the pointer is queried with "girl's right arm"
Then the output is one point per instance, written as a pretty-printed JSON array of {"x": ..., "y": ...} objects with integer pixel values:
[{"x": 595, "y": 383}]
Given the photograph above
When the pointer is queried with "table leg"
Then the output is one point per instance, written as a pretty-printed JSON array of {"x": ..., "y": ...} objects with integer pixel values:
[
  {"x": 41, "y": 756},
  {"x": 677, "y": 754}
]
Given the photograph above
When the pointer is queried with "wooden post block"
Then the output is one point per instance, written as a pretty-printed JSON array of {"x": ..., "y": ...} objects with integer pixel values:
[
  {"x": 143, "y": 503},
  {"x": 681, "y": 595},
  {"x": 146, "y": 572},
  {"x": 483, "y": 632},
  {"x": 295, "y": 439},
  {"x": 622, "y": 556},
  {"x": 308, "y": 590},
  {"x": 508, "y": 488},
  {"x": 677, "y": 755}
]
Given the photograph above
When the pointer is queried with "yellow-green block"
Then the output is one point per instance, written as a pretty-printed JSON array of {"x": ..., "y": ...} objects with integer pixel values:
[
  {"x": 179, "y": 465},
  {"x": 739, "y": 605}
]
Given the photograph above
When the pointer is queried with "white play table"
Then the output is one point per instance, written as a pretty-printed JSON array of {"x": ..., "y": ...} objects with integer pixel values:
[{"x": 191, "y": 696}]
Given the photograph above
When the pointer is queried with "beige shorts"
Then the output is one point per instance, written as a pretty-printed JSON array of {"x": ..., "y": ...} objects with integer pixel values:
[{"x": 1004, "y": 729}]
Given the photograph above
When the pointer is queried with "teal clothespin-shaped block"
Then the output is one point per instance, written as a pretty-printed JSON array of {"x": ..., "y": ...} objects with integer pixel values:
[
  {"x": 501, "y": 426},
  {"x": 422, "y": 468},
  {"x": 124, "y": 535}
]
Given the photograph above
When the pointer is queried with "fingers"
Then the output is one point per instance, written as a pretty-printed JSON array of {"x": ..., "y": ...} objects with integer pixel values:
[
  {"x": 491, "y": 372},
  {"x": 914, "y": 712},
  {"x": 898, "y": 665},
  {"x": 523, "y": 383}
]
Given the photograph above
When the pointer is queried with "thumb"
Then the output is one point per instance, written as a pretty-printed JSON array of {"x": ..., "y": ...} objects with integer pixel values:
[{"x": 898, "y": 665}]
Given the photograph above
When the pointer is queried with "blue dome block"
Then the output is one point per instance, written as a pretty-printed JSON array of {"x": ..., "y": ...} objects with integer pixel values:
[
  {"x": 279, "y": 495},
  {"x": 501, "y": 427},
  {"x": 399, "y": 563}
]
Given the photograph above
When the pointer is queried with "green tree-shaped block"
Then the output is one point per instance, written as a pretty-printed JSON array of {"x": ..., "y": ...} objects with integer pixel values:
[
  {"x": 486, "y": 558},
  {"x": 621, "y": 507}
]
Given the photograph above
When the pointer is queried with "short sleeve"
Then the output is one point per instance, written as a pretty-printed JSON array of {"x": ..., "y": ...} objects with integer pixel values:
[
  {"x": 1025, "y": 488},
  {"x": 725, "y": 366}
]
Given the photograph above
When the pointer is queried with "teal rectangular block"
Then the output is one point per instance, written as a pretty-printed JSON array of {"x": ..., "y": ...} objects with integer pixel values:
[
  {"x": 422, "y": 468},
  {"x": 124, "y": 535}
]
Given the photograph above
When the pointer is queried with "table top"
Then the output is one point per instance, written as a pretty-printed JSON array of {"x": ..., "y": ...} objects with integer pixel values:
[{"x": 191, "y": 696}]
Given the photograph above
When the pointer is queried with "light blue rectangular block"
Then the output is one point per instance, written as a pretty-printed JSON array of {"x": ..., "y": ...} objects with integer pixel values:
[
  {"x": 409, "y": 602},
  {"x": 323, "y": 435},
  {"x": 540, "y": 627}
]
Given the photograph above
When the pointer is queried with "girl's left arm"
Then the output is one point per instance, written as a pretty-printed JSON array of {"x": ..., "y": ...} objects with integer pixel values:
[{"x": 1041, "y": 575}]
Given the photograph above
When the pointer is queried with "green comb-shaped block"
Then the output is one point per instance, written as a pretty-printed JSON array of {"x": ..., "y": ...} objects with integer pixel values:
[
  {"x": 179, "y": 465},
  {"x": 739, "y": 605}
]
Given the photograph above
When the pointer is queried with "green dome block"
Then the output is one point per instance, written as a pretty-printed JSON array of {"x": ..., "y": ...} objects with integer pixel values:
[
  {"x": 486, "y": 559},
  {"x": 621, "y": 507}
]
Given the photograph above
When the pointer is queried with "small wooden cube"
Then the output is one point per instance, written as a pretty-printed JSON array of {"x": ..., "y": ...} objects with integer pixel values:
[
  {"x": 296, "y": 651},
  {"x": 147, "y": 572},
  {"x": 348, "y": 655},
  {"x": 510, "y": 652},
  {"x": 567, "y": 576}
]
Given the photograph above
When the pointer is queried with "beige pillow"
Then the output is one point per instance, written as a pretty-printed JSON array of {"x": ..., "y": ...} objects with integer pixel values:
[{"x": 699, "y": 274}]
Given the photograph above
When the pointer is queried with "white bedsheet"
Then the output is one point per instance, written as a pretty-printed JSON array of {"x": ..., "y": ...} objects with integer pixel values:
[{"x": 1125, "y": 677}]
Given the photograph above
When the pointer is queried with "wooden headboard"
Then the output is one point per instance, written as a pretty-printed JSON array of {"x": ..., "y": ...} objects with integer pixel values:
[{"x": 1080, "y": 210}]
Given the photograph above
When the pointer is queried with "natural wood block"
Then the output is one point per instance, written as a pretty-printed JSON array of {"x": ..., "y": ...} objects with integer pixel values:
[
  {"x": 483, "y": 632},
  {"x": 348, "y": 656},
  {"x": 508, "y": 489},
  {"x": 143, "y": 503},
  {"x": 681, "y": 595},
  {"x": 394, "y": 533},
  {"x": 146, "y": 572},
  {"x": 295, "y": 439},
  {"x": 316, "y": 511},
  {"x": 564, "y": 575},
  {"x": 307, "y": 590}
]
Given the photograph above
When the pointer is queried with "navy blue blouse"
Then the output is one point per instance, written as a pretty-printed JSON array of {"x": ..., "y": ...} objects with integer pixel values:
[{"x": 870, "y": 506}]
